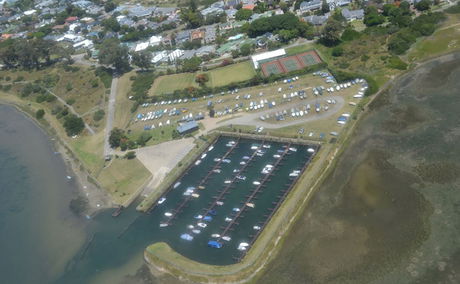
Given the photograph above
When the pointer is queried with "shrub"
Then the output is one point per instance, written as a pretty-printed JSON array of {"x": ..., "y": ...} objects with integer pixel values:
[
  {"x": 130, "y": 155},
  {"x": 40, "y": 113},
  {"x": 337, "y": 51},
  {"x": 73, "y": 125},
  {"x": 396, "y": 63},
  {"x": 70, "y": 101},
  {"x": 98, "y": 115}
]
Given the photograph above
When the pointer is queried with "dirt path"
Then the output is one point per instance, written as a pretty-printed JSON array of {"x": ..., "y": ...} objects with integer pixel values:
[{"x": 110, "y": 115}]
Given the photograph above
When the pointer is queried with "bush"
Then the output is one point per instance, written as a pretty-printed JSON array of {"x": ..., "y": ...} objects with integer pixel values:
[
  {"x": 40, "y": 113},
  {"x": 337, "y": 51},
  {"x": 105, "y": 74},
  {"x": 454, "y": 9},
  {"x": 98, "y": 115},
  {"x": 350, "y": 34},
  {"x": 73, "y": 125},
  {"x": 396, "y": 63},
  {"x": 144, "y": 138},
  {"x": 130, "y": 155},
  {"x": 70, "y": 101}
]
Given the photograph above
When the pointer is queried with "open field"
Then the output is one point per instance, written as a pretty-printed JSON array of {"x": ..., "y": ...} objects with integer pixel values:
[
  {"x": 123, "y": 178},
  {"x": 217, "y": 77},
  {"x": 123, "y": 104},
  {"x": 446, "y": 39}
]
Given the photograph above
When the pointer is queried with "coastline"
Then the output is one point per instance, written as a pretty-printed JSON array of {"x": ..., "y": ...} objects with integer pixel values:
[{"x": 95, "y": 198}]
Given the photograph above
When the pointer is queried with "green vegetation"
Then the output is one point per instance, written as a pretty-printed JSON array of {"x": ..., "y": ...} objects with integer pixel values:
[
  {"x": 142, "y": 82},
  {"x": 287, "y": 26},
  {"x": 73, "y": 125},
  {"x": 40, "y": 113},
  {"x": 98, "y": 115},
  {"x": 396, "y": 63},
  {"x": 105, "y": 75},
  {"x": 114, "y": 54},
  {"x": 243, "y": 15}
]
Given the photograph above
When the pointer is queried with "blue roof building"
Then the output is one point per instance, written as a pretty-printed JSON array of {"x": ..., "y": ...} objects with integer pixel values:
[{"x": 187, "y": 127}]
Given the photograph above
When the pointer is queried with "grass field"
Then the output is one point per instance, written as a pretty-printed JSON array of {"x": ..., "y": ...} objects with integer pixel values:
[
  {"x": 444, "y": 40},
  {"x": 123, "y": 105},
  {"x": 217, "y": 77},
  {"x": 122, "y": 178},
  {"x": 300, "y": 48}
]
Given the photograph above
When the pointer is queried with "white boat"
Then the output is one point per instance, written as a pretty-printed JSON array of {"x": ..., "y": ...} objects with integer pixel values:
[
  {"x": 168, "y": 214},
  {"x": 256, "y": 182},
  {"x": 217, "y": 171},
  {"x": 162, "y": 225},
  {"x": 226, "y": 238},
  {"x": 255, "y": 147},
  {"x": 241, "y": 177},
  {"x": 202, "y": 225},
  {"x": 227, "y": 181},
  {"x": 293, "y": 174},
  {"x": 191, "y": 227},
  {"x": 311, "y": 150},
  {"x": 198, "y": 217},
  {"x": 203, "y": 156},
  {"x": 256, "y": 228},
  {"x": 242, "y": 163},
  {"x": 341, "y": 122},
  {"x": 210, "y": 148},
  {"x": 220, "y": 203},
  {"x": 266, "y": 146},
  {"x": 243, "y": 246},
  {"x": 276, "y": 156},
  {"x": 195, "y": 195},
  {"x": 215, "y": 235},
  {"x": 252, "y": 205},
  {"x": 293, "y": 149},
  {"x": 236, "y": 209},
  {"x": 196, "y": 231},
  {"x": 176, "y": 185},
  {"x": 216, "y": 159},
  {"x": 197, "y": 162},
  {"x": 236, "y": 170},
  {"x": 357, "y": 96},
  {"x": 246, "y": 157},
  {"x": 186, "y": 237},
  {"x": 228, "y": 161},
  {"x": 161, "y": 200},
  {"x": 228, "y": 219}
]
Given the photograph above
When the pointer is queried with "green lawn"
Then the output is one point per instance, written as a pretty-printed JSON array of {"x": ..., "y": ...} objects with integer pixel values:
[
  {"x": 217, "y": 77},
  {"x": 299, "y": 48},
  {"x": 233, "y": 73}
]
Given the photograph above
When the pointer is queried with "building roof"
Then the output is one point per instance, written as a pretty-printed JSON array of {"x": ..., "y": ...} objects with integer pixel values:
[
  {"x": 353, "y": 14},
  {"x": 316, "y": 20},
  {"x": 266, "y": 55},
  {"x": 187, "y": 126}
]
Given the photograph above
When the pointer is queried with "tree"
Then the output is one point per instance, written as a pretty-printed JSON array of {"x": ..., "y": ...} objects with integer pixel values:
[
  {"x": 109, "y": 6},
  {"x": 284, "y": 6},
  {"x": 112, "y": 53},
  {"x": 245, "y": 49},
  {"x": 73, "y": 125},
  {"x": 325, "y": 7},
  {"x": 40, "y": 113},
  {"x": 191, "y": 65},
  {"x": 372, "y": 17},
  {"x": 193, "y": 19},
  {"x": 243, "y": 15},
  {"x": 116, "y": 137},
  {"x": 142, "y": 59},
  {"x": 130, "y": 155},
  {"x": 423, "y": 5},
  {"x": 111, "y": 24},
  {"x": 287, "y": 35},
  {"x": 201, "y": 79},
  {"x": 337, "y": 51},
  {"x": 331, "y": 33}
]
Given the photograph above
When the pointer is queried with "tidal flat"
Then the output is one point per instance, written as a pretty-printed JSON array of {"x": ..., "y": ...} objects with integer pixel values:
[{"x": 390, "y": 211}]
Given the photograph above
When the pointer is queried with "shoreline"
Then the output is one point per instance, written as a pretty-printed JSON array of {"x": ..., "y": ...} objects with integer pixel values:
[{"x": 96, "y": 199}]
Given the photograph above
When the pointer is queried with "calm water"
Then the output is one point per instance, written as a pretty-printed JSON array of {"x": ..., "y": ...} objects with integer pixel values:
[{"x": 390, "y": 212}]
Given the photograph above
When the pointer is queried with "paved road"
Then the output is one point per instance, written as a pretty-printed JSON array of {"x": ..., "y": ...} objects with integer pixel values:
[
  {"x": 72, "y": 110},
  {"x": 110, "y": 115}
]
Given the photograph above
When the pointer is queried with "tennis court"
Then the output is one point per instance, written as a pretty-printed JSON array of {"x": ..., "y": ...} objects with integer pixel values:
[
  {"x": 272, "y": 67},
  {"x": 309, "y": 58},
  {"x": 290, "y": 63}
]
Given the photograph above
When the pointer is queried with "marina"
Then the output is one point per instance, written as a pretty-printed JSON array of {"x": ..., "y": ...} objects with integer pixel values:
[{"x": 216, "y": 217}]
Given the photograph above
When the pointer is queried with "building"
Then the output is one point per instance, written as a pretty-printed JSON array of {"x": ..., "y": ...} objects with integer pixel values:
[
  {"x": 316, "y": 20},
  {"x": 267, "y": 55},
  {"x": 187, "y": 127},
  {"x": 197, "y": 35},
  {"x": 310, "y": 6},
  {"x": 352, "y": 15}
]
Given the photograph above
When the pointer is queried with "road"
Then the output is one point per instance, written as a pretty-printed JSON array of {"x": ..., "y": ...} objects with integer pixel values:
[
  {"x": 72, "y": 110},
  {"x": 110, "y": 115}
]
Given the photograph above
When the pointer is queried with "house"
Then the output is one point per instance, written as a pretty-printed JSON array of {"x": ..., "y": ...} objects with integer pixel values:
[
  {"x": 187, "y": 127},
  {"x": 310, "y": 6},
  {"x": 209, "y": 34},
  {"x": 197, "y": 35},
  {"x": 182, "y": 36},
  {"x": 210, "y": 11},
  {"x": 232, "y": 3},
  {"x": 231, "y": 13},
  {"x": 164, "y": 11},
  {"x": 316, "y": 20},
  {"x": 352, "y": 15},
  {"x": 70, "y": 20},
  {"x": 206, "y": 50}
]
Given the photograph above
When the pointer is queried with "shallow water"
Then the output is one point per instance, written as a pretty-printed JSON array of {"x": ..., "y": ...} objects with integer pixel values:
[{"x": 389, "y": 213}]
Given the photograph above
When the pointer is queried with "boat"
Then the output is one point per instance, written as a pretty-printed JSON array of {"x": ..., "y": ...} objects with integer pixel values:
[
  {"x": 276, "y": 156},
  {"x": 215, "y": 235},
  {"x": 293, "y": 149},
  {"x": 191, "y": 227},
  {"x": 216, "y": 159},
  {"x": 255, "y": 147},
  {"x": 280, "y": 151},
  {"x": 213, "y": 212},
  {"x": 176, "y": 185},
  {"x": 266, "y": 146},
  {"x": 256, "y": 182},
  {"x": 195, "y": 195},
  {"x": 236, "y": 170},
  {"x": 161, "y": 200},
  {"x": 227, "y": 181},
  {"x": 243, "y": 246},
  {"x": 311, "y": 150},
  {"x": 293, "y": 174},
  {"x": 236, "y": 209},
  {"x": 202, "y": 225},
  {"x": 207, "y": 218},
  {"x": 242, "y": 163},
  {"x": 227, "y": 161},
  {"x": 186, "y": 237},
  {"x": 220, "y": 203},
  {"x": 249, "y": 204},
  {"x": 200, "y": 187},
  {"x": 203, "y": 156},
  {"x": 226, "y": 238},
  {"x": 241, "y": 177},
  {"x": 168, "y": 214},
  {"x": 198, "y": 217},
  {"x": 196, "y": 231},
  {"x": 197, "y": 162},
  {"x": 214, "y": 244},
  {"x": 246, "y": 157},
  {"x": 256, "y": 228},
  {"x": 210, "y": 148},
  {"x": 217, "y": 171},
  {"x": 162, "y": 225},
  {"x": 228, "y": 219}
]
